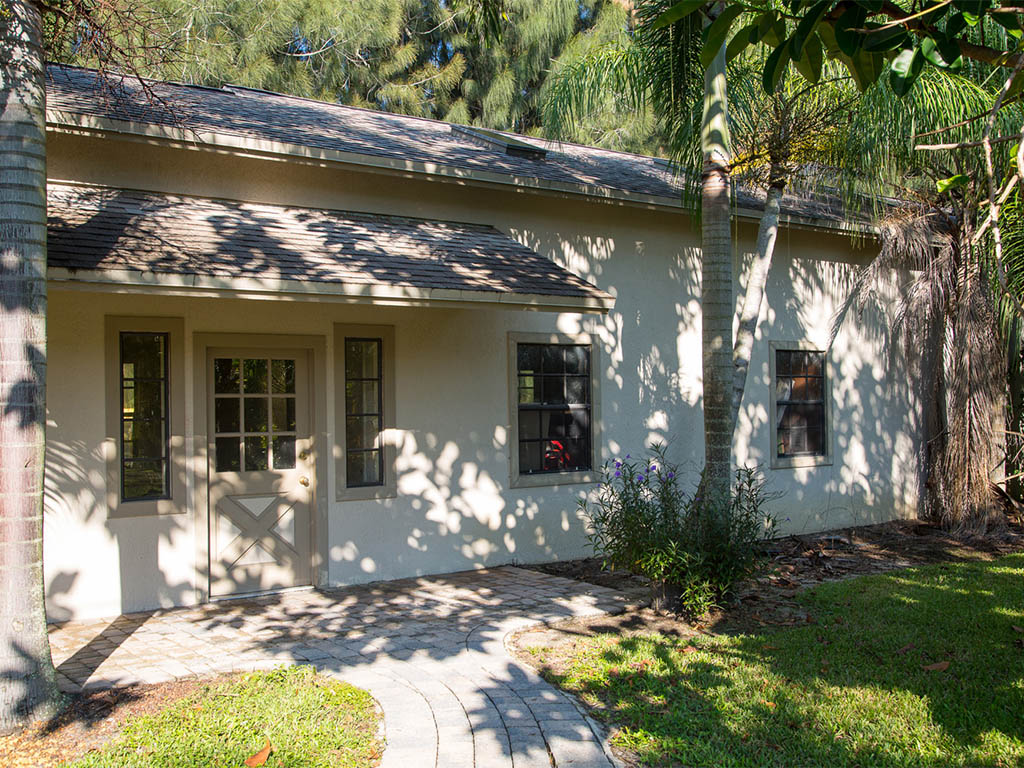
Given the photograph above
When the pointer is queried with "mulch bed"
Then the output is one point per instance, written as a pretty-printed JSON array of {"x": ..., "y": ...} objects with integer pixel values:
[
  {"x": 90, "y": 721},
  {"x": 795, "y": 563}
]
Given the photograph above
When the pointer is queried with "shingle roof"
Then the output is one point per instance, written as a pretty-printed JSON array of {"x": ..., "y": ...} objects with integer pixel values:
[
  {"x": 288, "y": 119},
  {"x": 99, "y": 229}
]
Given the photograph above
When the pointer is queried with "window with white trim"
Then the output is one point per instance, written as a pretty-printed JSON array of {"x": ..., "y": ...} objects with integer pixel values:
[{"x": 801, "y": 426}]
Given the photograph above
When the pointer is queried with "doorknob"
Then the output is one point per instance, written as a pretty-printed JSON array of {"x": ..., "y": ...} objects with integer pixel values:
[
  {"x": 304, "y": 481},
  {"x": 304, "y": 455}
]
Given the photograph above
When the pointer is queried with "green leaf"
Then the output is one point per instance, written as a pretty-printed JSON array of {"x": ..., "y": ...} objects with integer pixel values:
[
  {"x": 809, "y": 64},
  {"x": 807, "y": 25},
  {"x": 740, "y": 41},
  {"x": 971, "y": 18},
  {"x": 775, "y": 67},
  {"x": 944, "y": 185},
  {"x": 872, "y": 6},
  {"x": 887, "y": 39},
  {"x": 865, "y": 67},
  {"x": 942, "y": 53},
  {"x": 905, "y": 70},
  {"x": 717, "y": 33},
  {"x": 678, "y": 11},
  {"x": 850, "y": 42},
  {"x": 955, "y": 25},
  {"x": 1008, "y": 21}
]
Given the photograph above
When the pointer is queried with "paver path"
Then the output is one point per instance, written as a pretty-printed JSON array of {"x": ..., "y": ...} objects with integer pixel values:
[{"x": 430, "y": 650}]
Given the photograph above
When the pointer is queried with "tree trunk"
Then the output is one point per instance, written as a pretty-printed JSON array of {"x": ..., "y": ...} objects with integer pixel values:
[
  {"x": 716, "y": 280},
  {"x": 28, "y": 688},
  {"x": 767, "y": 234}
]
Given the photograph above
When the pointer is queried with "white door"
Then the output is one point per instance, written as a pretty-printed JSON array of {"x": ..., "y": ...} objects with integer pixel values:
[{"x": 260, "y": 470}]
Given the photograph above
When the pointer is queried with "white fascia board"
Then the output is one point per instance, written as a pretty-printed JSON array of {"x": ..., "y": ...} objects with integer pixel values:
[{"x": 209, "y": 286}]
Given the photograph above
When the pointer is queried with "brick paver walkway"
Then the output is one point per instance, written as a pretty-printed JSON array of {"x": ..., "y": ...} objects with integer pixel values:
[{"x": 430, "y": 650}]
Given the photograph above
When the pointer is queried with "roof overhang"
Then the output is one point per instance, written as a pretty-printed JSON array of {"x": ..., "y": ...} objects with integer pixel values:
[{"x": 127, "y": 241}]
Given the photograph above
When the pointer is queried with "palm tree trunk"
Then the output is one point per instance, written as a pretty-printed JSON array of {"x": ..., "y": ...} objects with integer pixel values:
[
  {"x": 716, "y": 280},
  {"x": 767, "y": 234},
  {"x": 28, "y": 688}
]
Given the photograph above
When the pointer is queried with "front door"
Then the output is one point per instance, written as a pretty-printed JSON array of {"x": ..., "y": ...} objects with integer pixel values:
[{"x": 261, "y": 467}]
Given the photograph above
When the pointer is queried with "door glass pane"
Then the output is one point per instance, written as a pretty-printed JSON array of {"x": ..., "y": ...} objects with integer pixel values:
[
  {"x": 284, "y": 452},
  {"x": 282, "y": 376},
  {"x": 143, "y": 479},
  {"x": 256, "y": 453},
  {"x": 283, "y": 414},
  {"x": 255, "y": 373},
  {"x": 362, "y": 468},
  {"x": 228, "y": 458},
  {"x": 361, "y": 432},
  {"x": 226, "y": 378},
  {"x": 362, "y": 358},
  {"x": 362, "y": 396},
  {"x": 256, "y": 416},
  {"x": 226, "y": 414}
]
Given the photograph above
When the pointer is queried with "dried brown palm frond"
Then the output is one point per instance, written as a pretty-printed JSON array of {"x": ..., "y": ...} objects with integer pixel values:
[{"x": 948, "y": 324}]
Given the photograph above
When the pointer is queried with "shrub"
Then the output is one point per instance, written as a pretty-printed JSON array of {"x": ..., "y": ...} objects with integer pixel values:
[{"x": 642, "y": 521}]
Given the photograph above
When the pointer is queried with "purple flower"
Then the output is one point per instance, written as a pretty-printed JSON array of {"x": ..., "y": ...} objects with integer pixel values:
[
  {"x": 618, "y": 464},
  {"x": 787, "y": 519},
  {"x": 671, "y": 475},
  {"x": 653, "y": 468},
  {"x": 640, "y": 478},
  {"x": 627, "y": 455},
  {"x": 618, "y": 474}
]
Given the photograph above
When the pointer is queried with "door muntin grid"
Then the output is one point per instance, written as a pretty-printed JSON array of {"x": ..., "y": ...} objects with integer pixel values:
[{"x": 254, "y": 414}]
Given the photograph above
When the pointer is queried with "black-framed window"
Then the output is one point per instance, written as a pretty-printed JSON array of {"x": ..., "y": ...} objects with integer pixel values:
[
  {"x": 364, "y": 412},
  {"x": 145, "y": 436},
  {"x": 554, "y": 408},
  {"x": 801, "y": 428}
]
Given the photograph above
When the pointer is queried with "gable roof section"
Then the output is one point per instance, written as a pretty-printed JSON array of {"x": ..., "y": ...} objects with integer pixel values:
[
  {"x": 273, "y": 117},
  {"x": 148, "y": 241}
]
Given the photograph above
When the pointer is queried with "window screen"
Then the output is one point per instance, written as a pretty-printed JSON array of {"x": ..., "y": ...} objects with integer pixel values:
[
  {"x": 144, "y": 425},
  {"x": 800, "y": 402},
  {"x": 554, "y": 408}
]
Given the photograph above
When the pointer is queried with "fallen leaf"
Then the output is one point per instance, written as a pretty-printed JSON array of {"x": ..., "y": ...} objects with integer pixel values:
[
  {"x": 770, "y": 705},
  {"x": 688, "y": 649},
  {"x": 905, "y": 648},
  {"x": 938, "y": 666},
  {"x": 260, "y": 757},
  {"x": 1015, "y": 628}
]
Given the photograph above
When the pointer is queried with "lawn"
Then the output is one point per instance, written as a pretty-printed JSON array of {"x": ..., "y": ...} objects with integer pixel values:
[
  {"x": 920, "y": 667},
  {"x": 310, "y": 721}
]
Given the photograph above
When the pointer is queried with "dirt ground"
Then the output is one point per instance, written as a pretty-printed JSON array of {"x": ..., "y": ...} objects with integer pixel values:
[
  {"x": 90, "y": 721},
  {"x": 796, "y": 563}
]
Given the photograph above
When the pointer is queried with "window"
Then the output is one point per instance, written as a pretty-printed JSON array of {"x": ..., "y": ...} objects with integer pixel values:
[
  {"x": 364, "y": 407},
  {"x": 364, "y": 403},
  {"x": 145, "y": 421},
  {"x": 144, "y": 435},
  {"x": 254, "y": 414},
  {"x": 800, "y": 430},
  {"x": 553, "y": 414}
]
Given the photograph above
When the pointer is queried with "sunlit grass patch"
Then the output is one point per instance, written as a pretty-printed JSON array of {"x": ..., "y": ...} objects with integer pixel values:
[
  {"x": 311, "y": 722},
  {"x": 919, "y": 668}
]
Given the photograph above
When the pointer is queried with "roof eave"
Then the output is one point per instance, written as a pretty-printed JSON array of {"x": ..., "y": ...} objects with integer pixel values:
[{"x": 210, "y": 286}]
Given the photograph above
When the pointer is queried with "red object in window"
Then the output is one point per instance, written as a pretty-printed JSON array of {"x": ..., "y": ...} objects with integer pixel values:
[{"x": 556, "y": 457}]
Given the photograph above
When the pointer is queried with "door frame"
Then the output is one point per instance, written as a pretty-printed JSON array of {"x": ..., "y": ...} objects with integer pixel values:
[{"x": 316, "y": 347}]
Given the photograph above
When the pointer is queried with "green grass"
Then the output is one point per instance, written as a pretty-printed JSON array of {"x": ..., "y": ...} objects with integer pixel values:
[
  {"x": 312, "y": 722},
  {"x": 844, "y": 691}
]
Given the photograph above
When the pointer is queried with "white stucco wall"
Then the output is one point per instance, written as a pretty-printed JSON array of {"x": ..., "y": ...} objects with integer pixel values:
[{"x": 455, "y": 508}]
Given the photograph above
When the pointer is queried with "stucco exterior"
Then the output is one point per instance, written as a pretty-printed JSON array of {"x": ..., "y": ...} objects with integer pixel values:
[{"x": 456, "y": 506}]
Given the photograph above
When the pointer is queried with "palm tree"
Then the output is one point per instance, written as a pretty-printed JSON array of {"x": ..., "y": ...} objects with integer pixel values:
[
  {"x": 28, "y": 687},
  {"x": 761, "y": 139}
]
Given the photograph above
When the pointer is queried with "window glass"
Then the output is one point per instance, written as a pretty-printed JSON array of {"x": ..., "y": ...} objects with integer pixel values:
[
  {"x": 554, "y": 408},
  {"x": 363, "y": 412},
  {"x": 144, "y": 425},
  {"x": 800, "y": 403},
  {"x": 254, "y": 431}
]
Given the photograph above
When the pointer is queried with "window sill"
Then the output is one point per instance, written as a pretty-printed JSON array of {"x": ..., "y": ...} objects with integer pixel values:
[
  {"x": 796, "y": 462},
  {"x": 118, "y": 510},
  {"x": 550, "y": 479},
  {"x": 367, "y": 493}
]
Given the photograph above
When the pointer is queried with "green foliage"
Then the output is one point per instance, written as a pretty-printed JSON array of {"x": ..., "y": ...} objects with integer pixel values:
[
  {"x": 848, "y": 690},
  {"x": 311, "y": 721},
  {"x": 642, "y": 521}
]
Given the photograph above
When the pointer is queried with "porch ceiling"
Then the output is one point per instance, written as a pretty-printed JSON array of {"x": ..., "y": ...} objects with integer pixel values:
[{"x": 154, "y": 242}]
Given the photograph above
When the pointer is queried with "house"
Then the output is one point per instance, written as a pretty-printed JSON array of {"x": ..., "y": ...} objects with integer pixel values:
[{"x": 294, "y": 343}]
